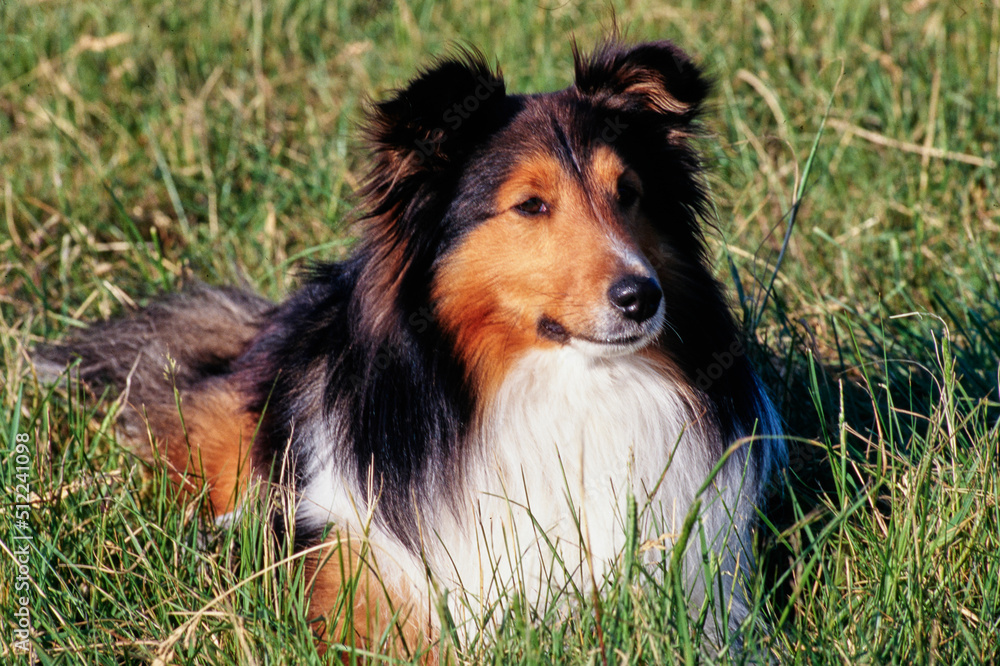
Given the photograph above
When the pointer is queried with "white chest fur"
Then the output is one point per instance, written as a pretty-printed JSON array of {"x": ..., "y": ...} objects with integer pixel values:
[{"x": 568, "y": 437}]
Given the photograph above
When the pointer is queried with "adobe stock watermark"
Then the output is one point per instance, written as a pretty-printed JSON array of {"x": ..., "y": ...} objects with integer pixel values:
[
  {"x": 455, "y": 116},
  {"x": 22, "y": 537},
  {"x": 613, "y": 128},
  {"x": 705, "y": 377},
  {"x": 419, "y": 320}
]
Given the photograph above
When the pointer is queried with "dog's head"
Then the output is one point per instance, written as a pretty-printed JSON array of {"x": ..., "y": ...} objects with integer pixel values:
[{"x": 558, "y": 219}]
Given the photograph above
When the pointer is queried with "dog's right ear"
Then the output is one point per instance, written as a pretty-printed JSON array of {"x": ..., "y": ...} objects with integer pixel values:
[{"x": 438, "y": 118}]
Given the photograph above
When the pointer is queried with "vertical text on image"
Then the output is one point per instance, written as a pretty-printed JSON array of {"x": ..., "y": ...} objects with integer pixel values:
[{"x": 22, "y": 538}]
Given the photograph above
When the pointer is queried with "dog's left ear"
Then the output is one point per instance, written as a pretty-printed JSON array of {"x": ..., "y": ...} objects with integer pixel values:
[{"x": 655, "y": 77}]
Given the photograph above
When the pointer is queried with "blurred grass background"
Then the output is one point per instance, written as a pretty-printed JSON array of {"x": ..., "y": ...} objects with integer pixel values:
[{"x": 143, "y": 145}]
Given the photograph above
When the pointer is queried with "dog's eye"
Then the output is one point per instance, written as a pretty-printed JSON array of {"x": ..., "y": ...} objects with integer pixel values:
[
  {"x": 531, "y": 207},
  {"x": 628, "y": 194}
]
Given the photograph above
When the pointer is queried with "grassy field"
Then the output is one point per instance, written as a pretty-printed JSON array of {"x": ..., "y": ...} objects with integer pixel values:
[{"x": 143, "y": 145}]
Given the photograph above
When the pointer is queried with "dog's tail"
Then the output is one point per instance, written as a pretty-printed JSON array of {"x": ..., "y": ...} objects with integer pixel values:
[{"x": 172, "y": 364}]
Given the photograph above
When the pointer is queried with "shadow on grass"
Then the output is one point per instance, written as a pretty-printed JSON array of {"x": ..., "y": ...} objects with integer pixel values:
[{"x": 892, "y": 399}]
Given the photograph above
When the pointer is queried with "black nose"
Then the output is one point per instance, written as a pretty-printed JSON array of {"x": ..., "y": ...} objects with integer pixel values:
[{"x": 637, "y": 297}]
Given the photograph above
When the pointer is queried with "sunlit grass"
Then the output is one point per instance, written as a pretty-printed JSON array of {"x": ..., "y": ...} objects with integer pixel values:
[{"x": 144, "y": 145}]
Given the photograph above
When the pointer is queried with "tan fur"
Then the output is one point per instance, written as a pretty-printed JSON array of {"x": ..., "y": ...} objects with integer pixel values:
[
  {"x": 204, "y": 443},
  {"x": 343, "y": 572},
  {"x": 208, "y": 442},
  {"x": 652, "y": 88},
  {"x": 511, "y": 270}
]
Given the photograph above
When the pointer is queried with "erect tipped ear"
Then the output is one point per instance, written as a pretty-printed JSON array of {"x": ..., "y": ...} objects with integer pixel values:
[
  {"x": 656, "y": 77},
  {"x": 439, "y": 116}
]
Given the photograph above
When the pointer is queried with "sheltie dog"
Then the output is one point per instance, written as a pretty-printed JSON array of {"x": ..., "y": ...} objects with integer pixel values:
[{"x": 527, "y": 335}]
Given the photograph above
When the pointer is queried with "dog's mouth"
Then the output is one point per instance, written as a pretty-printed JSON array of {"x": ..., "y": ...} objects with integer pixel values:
[{"x": 610, "y": 345}]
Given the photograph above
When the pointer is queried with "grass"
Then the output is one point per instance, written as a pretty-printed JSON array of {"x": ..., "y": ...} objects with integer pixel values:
[{"x": 145, "y": 144}]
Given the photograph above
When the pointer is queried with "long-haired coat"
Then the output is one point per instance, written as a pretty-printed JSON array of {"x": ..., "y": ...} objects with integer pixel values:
[{"x": 528, "y": 332}]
